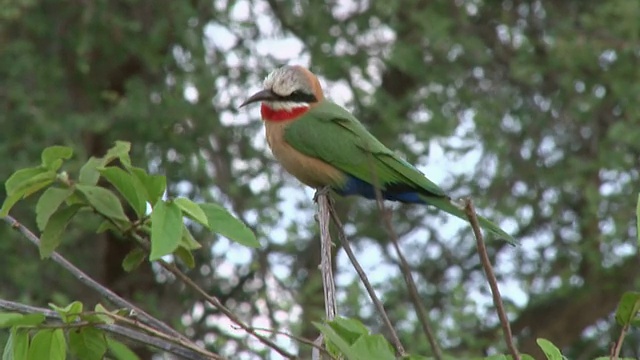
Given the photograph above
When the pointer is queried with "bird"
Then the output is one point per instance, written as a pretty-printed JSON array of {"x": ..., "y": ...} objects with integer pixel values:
[{"x": 323, "y": 145}]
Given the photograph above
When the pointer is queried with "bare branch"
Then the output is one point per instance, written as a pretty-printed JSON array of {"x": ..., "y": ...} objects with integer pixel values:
[
  {"x": 122, "y": 331},
  {"x": 328, "y": 284},
  {"x": 491, "y": 277},
  {"x": 365, "y": 280},
  {"x": 88, "y": 281},
  {"x": 326, "y": 268},
  {"x": 408, "y": 278}
]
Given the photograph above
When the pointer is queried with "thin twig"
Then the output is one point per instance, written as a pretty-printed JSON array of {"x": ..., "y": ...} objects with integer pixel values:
[
  {"x": 408, "y": 278},
  {"x": 491, "y": 277},
  {"x": 615, "y": 353},
  {"x": 172, "y": 268},
  {"x": 88, "y": 281},
  {"x": 296, "y": 338},
  {"x": 125, "y": 332},
  {"x": 365, "y": 280}
]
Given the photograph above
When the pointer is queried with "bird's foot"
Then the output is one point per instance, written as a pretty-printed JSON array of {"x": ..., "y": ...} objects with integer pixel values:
[{"x": 322, "y": 191}]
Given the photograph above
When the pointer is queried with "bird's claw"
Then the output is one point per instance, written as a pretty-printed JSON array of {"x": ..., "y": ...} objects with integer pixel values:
[{"x": 322, "y": 191}]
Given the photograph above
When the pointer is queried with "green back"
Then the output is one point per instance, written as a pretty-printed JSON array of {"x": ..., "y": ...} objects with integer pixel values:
[{"x": 330, "y": 133}]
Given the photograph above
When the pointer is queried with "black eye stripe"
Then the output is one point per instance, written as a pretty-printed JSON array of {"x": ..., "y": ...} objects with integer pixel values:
[{"x": 299, "y": 96}]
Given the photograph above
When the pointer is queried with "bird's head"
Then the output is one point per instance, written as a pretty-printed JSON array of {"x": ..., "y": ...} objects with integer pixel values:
[{"x": 288, "y": 91}]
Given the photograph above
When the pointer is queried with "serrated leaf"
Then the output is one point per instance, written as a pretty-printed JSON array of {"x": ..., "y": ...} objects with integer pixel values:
[
  {"x": 186, "y": 256},
  {"x": 628, "y": 308},
  {"x": 48, "y": 203},
  {"x": 549, "y": 350},
  {"x": 103, "y": 201},
  {"x": 18, "y": 178},
  {"x": 166, "y": 229},
  {"x": 333, "y": 338},
  {"x": 192, "y": 210},
  {"x": 87, "y": 343},
  {"x": 373, "y": 347},
  {"x": 68, "y": 313},
  {"x": 120, "y": 351},
  {"x": 51, "y": 235},
  {"x": 52, "y": 156},
  {"x": 187, "y": 241},
  {"x": 133, "y": 259},
  {"x": 48, "y": 344},
  {"x": 129, "y": 186},
  {"x": 223, "y": 223},
  {"x": 89, "y": 174},
  {"x": 155, "y": 185}
]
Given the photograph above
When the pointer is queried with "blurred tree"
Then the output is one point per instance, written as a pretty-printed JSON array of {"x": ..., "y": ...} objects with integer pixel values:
[{"x": 530, "y": 107}]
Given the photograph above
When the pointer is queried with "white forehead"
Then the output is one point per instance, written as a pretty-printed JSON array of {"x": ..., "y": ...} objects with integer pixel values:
[{"x": 287, "y": 79}]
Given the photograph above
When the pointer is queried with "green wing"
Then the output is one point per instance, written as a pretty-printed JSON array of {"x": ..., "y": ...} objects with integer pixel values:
[{"x": 330, "y": 133}]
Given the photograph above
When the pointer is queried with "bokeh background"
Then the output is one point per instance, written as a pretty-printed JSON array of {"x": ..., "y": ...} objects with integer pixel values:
[{"x": 530, "y": 107}]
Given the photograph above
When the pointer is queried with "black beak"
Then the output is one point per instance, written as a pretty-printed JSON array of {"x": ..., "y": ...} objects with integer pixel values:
[{"x": 263, "y": 95}]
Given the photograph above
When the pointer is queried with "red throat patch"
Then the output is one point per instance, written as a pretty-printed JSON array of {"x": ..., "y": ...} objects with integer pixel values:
[{"x": 269, "y": 114}]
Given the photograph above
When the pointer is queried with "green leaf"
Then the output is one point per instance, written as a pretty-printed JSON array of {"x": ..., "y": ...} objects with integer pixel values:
[
  {"x": 496, "y": 357},
  {"x": 9, "y": 201},
  {"x": 186, "y": 256},
  {"x": 550, "y": 350},
  {"x": 120, "y": 351},
  {"x": 36, "y": 183},
  {"x": 89, "y": 174},
  {"x": 103, "y": 201},
  {"x": 166, "y": 229},
  {"x": 51, "y": 235},
  {"x": 628, "y": 308},
  {"x": 18, "y": 178},
  {"x": 48, "y": 344},
  {"x": 7, "y": 353},
  {"x": 48, "y": 203},
  {"x": 68, "y": 313},
  {"x": 187, "y": 241},
  {"x": 17, "y": 345},
  {"x": 154, "y": 184},
  {"x": 192, "y": 210},
  {"x": 348, "y": 329},
  {"x": 52, "y": 156},
  {"x": 373, "y": 347},
  {"x": 129, "y": 186},
  {"x": 87, "y": 343},
  {"x": 7, "y": 319},
  {"x": 133, "y": 259},
  {"x": 119, "y": 151},
  {"x": 223, "y": 223},
  {"x": 332, "y": 337},
  {"x": 24, "y": 183},
  {"x": 98, "y": 309}
]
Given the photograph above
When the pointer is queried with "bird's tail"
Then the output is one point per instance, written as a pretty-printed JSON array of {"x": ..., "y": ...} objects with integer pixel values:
[{"x": 445, "y": 204}]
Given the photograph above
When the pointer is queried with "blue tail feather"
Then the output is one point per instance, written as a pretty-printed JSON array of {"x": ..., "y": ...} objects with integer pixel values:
[{"x": 355, "y": 186}]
